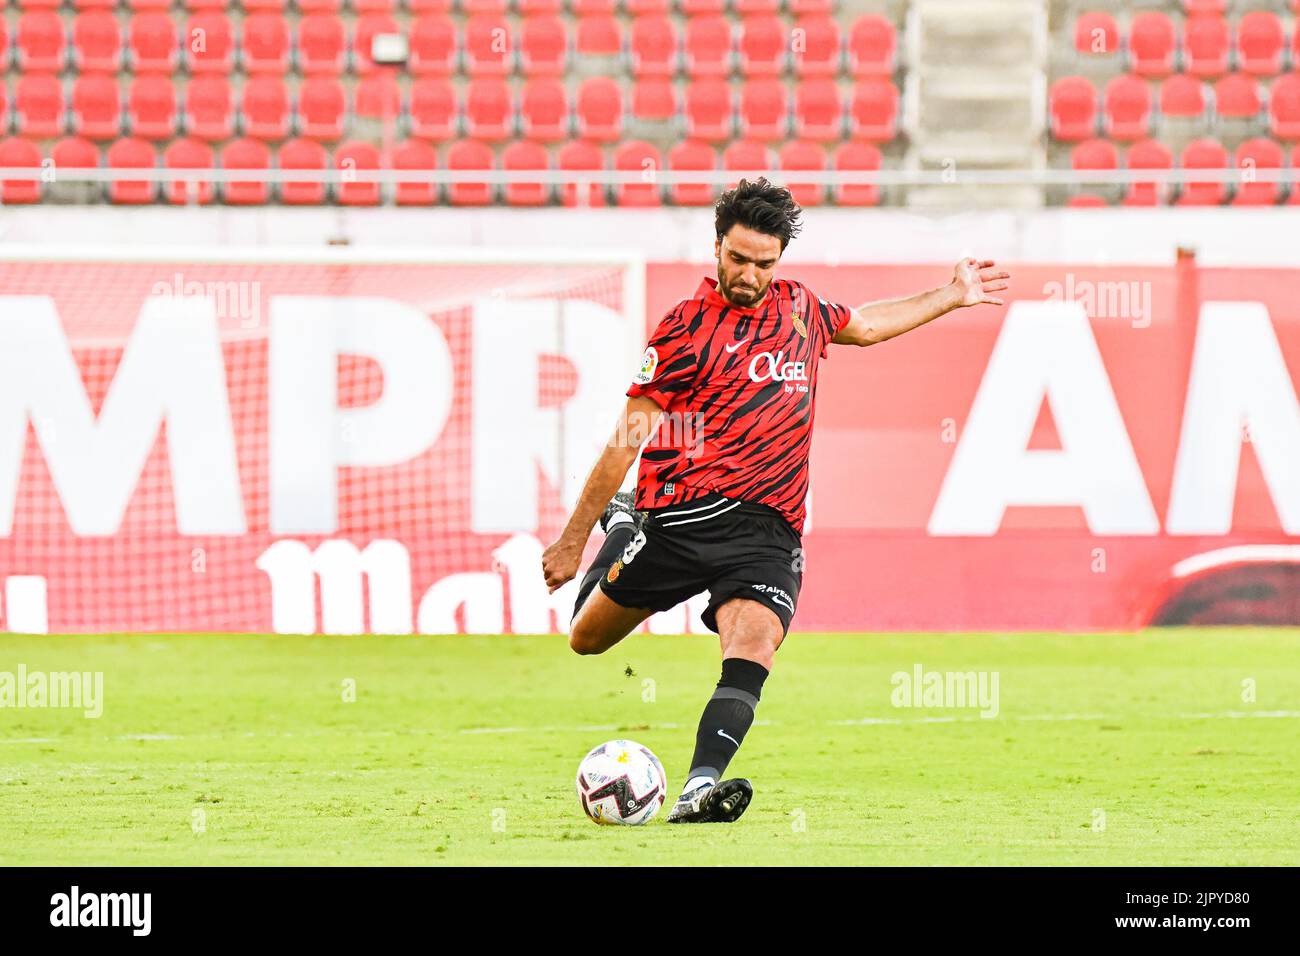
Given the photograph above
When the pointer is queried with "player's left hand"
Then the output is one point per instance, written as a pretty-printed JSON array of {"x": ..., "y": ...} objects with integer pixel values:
[
  {"x": 560, "y": 563},
  {"x": 975, "y": 279}
]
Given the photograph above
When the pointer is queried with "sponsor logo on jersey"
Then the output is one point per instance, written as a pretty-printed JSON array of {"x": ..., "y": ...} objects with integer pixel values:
[
  {"x": 765, "y": 366},
  {"x": 649, "y": 363}
]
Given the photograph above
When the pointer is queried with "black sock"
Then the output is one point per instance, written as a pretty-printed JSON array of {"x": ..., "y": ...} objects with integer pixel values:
[
  {"x": 615, "y": 542},
  {"x": 730, "y": 711}
]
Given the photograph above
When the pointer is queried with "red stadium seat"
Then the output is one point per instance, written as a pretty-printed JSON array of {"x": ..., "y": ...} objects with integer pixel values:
[
  {"x": 638, "y": 156},
  {"x": 367, "y": 28},
  {"x": 821, "y": 53},
  {"x": 434, "y": 112},
  {"x": 1284, "y": 106},
  {"x": 1151, "y": 44},
  {"x": 303, "y": 154},
  {"x": 422, "y": 7},
  {"x": 20, "y": 154},
  {"x": 708, "y": 47},
  {"x": 489, "y": 48},
  {"x": 265, "y": 107},
  {"x": 412, "y": 155},
  {"x": 1260, "y": 41},
  {"x": 246, "y": 154},
  {"x": 1206, "y": 44},
  {"x": 543, "y": 46},
  {"x": 489, "y": 110},
  {"x": 266, "y": 6},
  {"x": 73, "y": 152},
  {"x": 764, "y": 111},
  {"x": 210, "y": 108},
  {"x": 599, "y": 36},
  {"x": 1204, "y": 154},
  {"x": 321, "y": 109},
  {"x": 1236, "y": 96},
  {"x": 544, "y": 111},
  {"x": 746, "y": 156},
  {"x": 355, "y": 156},
  {"x": 764, "y": 45},
  {"x": 692, "y": 156},
  {"x": 701, "y": 8},
  {"x": 210, "y": 43},
  {"x": 4, "y": 46},
  {"x": 646, "y": 8},
  {"x": 1094, "y": 154},
  {"x": 42, "y": 46},
  {"x": 800, "y": 156},
  {"x": 96, "y": 42},
  {"x": 266, "y": 43},
  {"x": 580, "y": 156},
  {"x": 709, "y": 111},
  {"x": 477, "y": 7},
  {"x": 533, "y": 8},
  {"x": 1182, "y": 97},
  {"x": 873, "y": 112},
  {"x": 1153, "y": 155},
  {"x": 1253, "y": 156},
  {"x": 378, "y": 98},
  {"x": 189, "y": 154},
  {"x": 1096, "y": 34},
  {"x": 131, "y": 153},
  {"x": 151, "y": 107},
  {"x": 322, "y": 45},
  {"x": 818, "y": 111},
  {"x": 1072, "y": 105},
  {"x": 96, "y": 107},
  {"x": 756, "y": 8},
  {"x": 469, "y": 155},
  {"x": 319, "y": 6},
  {"x": 433, "y": 46},
  {"x": 1193, "y": 7},
  {"x": 374, "y": 6},
  {"x": 153, "y": 43},
  {"x": 857, "y": 157},
  {"x": 520, "y": 156},
  {"x": 652, "y": 43},
  {"x": 593, "y": 8},
  {"x": 35, "y": 4},
  {"x": 1128, "y": 108},
  {"x": 39, "y": 111},
  {"x": 872, "y": 48},
  {"x": 599, "y": 109},
  {"x": 655, "y": 101},
  {"x": 1087, "y": 201}
]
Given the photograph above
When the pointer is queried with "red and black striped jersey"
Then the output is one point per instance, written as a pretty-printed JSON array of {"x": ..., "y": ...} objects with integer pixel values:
[{"x": 738, "y": 387}]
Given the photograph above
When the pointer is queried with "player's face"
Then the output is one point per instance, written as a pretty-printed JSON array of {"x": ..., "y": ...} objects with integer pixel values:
[{"x": 746, "y": 261}]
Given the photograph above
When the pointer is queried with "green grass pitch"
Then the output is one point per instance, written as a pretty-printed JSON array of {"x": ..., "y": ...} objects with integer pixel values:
[{"x": 1133, "y": 749}]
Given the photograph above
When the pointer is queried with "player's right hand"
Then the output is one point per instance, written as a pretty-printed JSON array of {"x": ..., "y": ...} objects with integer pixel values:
[{"x": 560, "y": 563}]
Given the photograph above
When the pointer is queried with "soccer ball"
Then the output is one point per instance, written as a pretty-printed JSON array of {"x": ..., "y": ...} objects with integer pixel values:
[{"x": 621, "y": 783}]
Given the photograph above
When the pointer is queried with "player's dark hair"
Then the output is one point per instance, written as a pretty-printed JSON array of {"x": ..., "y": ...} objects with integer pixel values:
[{"x": 759, "y": 205}]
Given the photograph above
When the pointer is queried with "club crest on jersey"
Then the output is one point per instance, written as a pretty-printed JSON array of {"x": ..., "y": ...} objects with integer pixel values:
[
  {"x": 649, "y": 362},
  {"x": 799, "y": 327},
  {"x": 614, "y": 568}
]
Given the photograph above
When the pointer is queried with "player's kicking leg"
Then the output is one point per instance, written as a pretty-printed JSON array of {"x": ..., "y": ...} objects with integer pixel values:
[
  {"x": 598, "y": 622},
  {"x": 750, "y": 633}
]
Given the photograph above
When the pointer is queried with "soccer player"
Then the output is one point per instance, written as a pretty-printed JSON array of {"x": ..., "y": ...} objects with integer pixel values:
[{"x": 728, "y": 385}]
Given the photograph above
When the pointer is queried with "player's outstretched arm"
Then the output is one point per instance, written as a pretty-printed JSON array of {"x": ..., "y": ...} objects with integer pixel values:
[
  {"x": 560, "y": 561},
  {"x": 973, "y": 283}
]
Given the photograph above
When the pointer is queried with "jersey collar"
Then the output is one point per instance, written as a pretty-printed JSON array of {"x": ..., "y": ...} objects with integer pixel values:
[{"x": 708, "y": 291}]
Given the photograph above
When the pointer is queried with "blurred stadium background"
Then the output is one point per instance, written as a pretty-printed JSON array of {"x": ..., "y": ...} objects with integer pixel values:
[{"x": 316, "y": 312}]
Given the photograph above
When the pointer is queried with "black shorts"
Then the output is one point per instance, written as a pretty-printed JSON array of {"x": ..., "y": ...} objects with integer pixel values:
[{"x": 728, "y": 547}]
